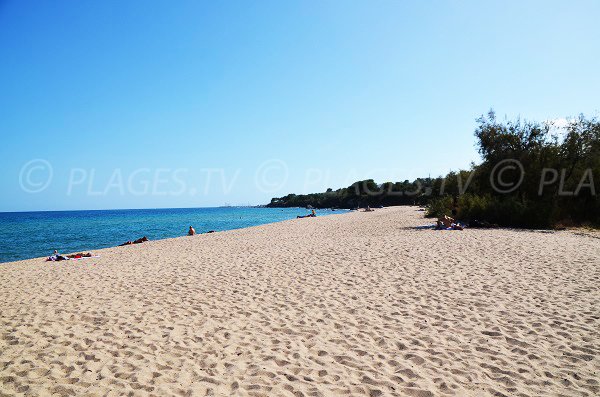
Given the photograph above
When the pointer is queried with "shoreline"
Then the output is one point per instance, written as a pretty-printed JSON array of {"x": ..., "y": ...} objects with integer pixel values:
[
  {"x": 584, "y": 231},
  {"x": 88, "y": 249},
  {"x": 361, "y": 304}
]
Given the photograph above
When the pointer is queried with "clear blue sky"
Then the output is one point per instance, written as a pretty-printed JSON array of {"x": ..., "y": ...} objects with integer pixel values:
[{"x": 337, "y": 91}]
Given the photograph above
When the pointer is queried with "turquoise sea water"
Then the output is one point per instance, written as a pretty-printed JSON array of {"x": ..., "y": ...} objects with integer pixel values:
[{"x": 33, "y": 234}]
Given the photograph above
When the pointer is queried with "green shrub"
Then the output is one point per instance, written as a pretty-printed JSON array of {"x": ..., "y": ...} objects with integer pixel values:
[{"x": 439, "y": 206}]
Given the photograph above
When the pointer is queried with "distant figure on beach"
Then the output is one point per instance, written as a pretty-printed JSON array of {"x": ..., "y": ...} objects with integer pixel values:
[
  {"x": 56, "y": 257},
  {"x": 80, "y": 255},
  {"x": 445, "y": 222},
  {"x": 368, "y": 209},
  {"x": 138, "y": 241},
  {"x": 312, "y": 214},
  {"x": 191, "y": 232}
]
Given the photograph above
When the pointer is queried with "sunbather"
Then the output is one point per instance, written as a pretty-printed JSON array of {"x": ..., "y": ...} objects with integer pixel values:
[
  {"x": 80, "y": 255},
  {"x": 138, "y": 241},
  {"x": 56, "y": 257},
  {"x": 445, "y": 222},
  {"x": 312, "y": 214}
]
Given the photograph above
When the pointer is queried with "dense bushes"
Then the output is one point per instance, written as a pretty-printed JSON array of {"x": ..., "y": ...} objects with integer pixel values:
[{"x": 495, "y": 210}]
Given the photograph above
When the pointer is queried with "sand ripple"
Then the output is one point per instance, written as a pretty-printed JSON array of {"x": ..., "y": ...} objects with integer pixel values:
[{"x": 359, "y": 304}]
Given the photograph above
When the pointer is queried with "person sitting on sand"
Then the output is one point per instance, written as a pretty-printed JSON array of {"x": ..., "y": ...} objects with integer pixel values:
[
  {"x": 368, "y": 209},
  {"x": 444, "y": 222},
  {"x": 191, "y": 232},
  {"x": 56, "y": 257}
]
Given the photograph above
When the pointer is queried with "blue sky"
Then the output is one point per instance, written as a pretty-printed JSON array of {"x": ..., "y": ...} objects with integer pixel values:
[{"x": 146, "y": 104}]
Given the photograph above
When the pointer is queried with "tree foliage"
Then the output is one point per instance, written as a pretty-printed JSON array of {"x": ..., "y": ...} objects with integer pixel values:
[{"x": 531, "y": 175}]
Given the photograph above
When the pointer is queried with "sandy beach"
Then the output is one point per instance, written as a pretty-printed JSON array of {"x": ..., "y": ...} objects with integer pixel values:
[{"x": 357, "y": 304}]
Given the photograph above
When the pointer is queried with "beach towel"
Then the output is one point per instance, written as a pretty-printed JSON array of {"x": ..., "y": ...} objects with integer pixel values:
[
  {"x": 84, "y": 257},
  {"x": 60, "y": 258},
  {"x": 425, "y": 227}
]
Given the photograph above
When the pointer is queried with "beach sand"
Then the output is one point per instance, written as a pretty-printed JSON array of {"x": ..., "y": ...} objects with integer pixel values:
[{"x": 345, "y": 305}]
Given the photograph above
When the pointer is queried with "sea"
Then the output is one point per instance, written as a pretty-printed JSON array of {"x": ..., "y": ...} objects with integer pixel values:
[{"x": 25, "y": 235}]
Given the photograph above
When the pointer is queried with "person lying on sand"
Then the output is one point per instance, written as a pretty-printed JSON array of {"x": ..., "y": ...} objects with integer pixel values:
[
  {"x": 446, "y": 222},
  {"x": 368, "y": 209},
  {"x": 138, "y": 241},
  {"x": 191, "y": 232},
  {"x": 312, "y": 214},
  {"x": 79, "y": 255}
]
